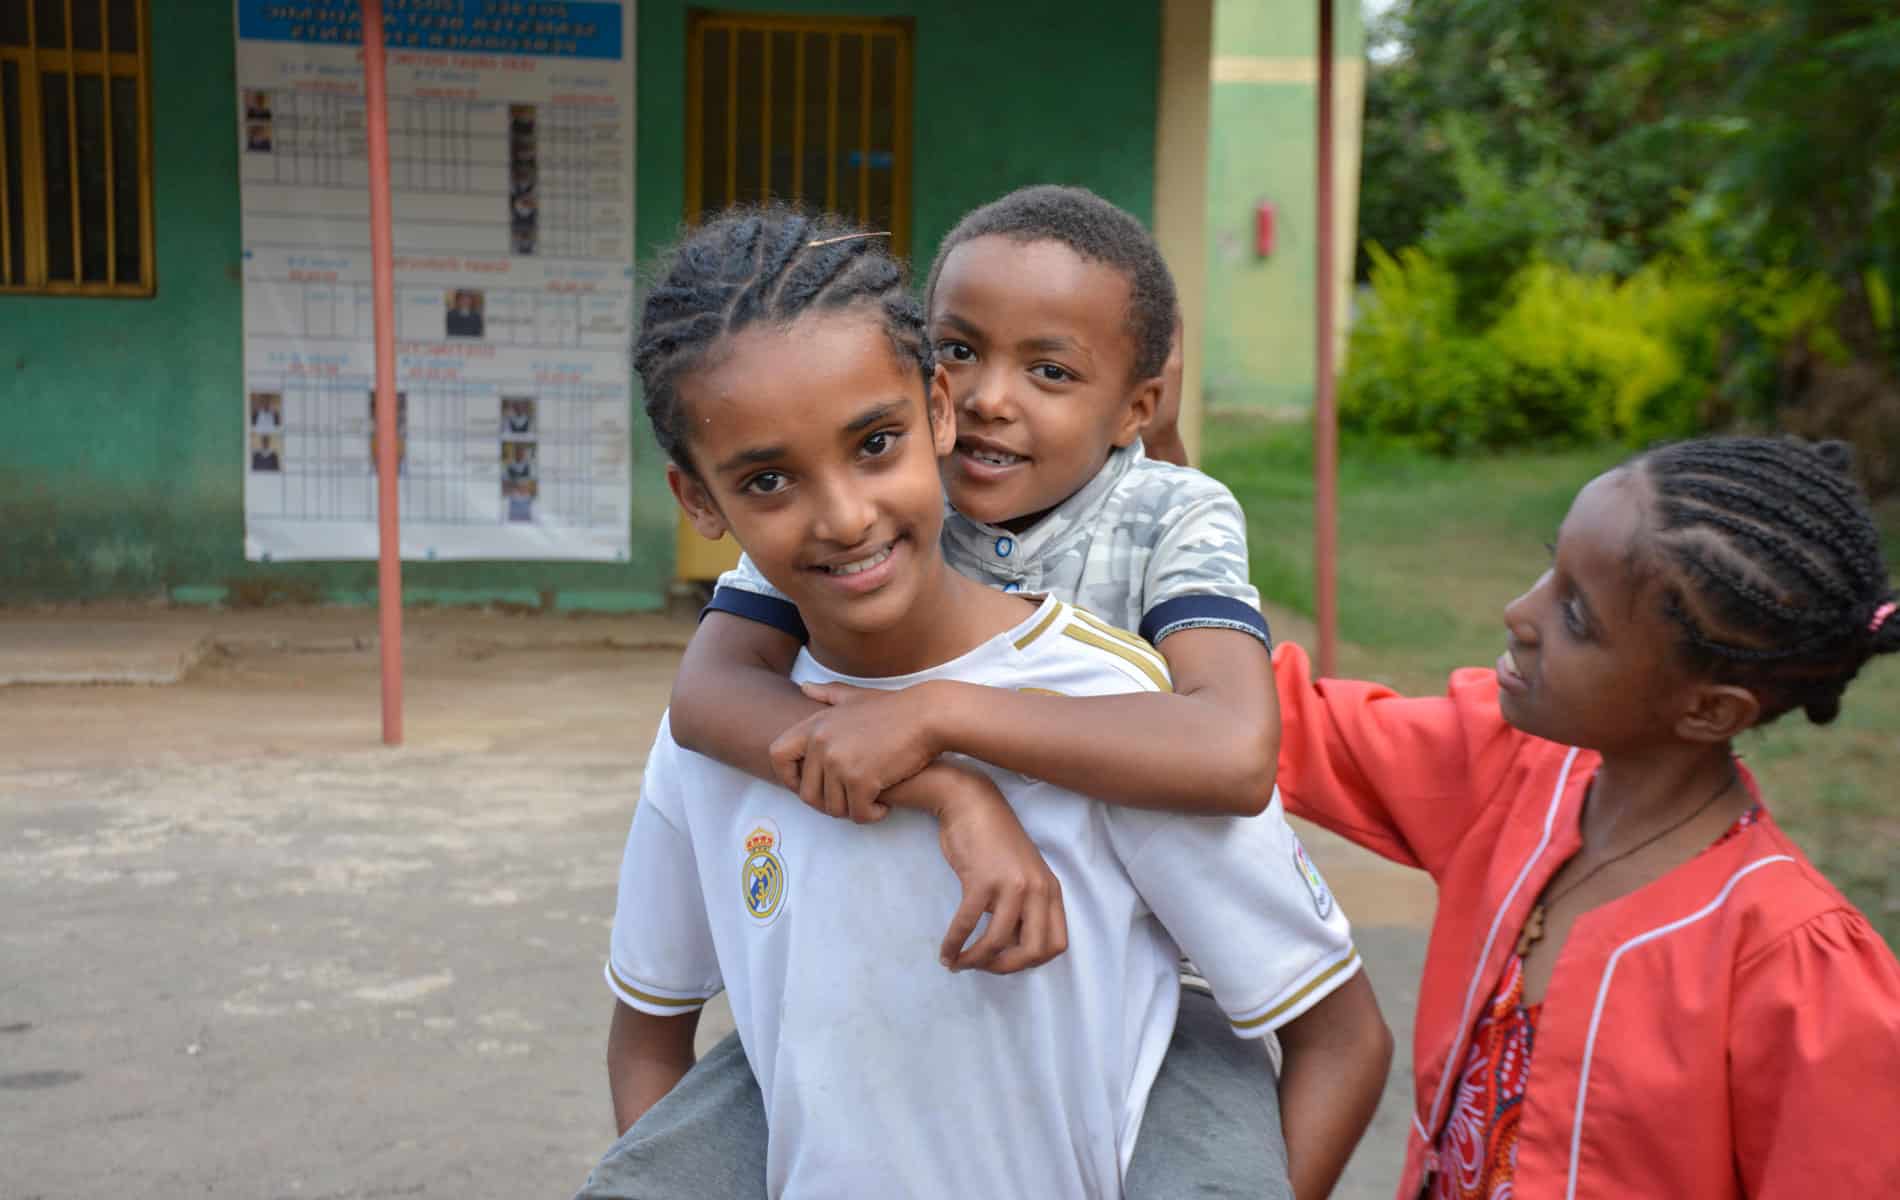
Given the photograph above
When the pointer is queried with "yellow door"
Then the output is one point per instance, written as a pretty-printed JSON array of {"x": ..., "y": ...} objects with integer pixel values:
[{"x": 811, "y": 110}]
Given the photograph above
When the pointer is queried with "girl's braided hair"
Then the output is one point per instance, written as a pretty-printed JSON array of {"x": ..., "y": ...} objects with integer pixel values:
[
  {"x": 749, "y": 266},
  {"x": 1778, "y": 582}
]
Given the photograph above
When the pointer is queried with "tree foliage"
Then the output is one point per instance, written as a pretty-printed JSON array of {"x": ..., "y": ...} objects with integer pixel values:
[{"x": 1750, "y": 139}]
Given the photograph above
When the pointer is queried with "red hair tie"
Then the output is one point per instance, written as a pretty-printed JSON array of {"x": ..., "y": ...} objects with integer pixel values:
[{"x": 1880, "y": 616}]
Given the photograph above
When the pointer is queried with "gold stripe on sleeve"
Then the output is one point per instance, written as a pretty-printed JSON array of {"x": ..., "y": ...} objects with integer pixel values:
[
  {"x": 1042, "y": 626},
  {"x": 649, "y": 998},
  {"x": 1133, "y": 641},
  {"x": 1293, "y": 1001},
  {"x": 1140, "y": 662}
]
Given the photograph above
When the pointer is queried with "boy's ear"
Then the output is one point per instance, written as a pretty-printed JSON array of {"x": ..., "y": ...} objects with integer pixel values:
[
  {"x": 1718, "y": 712},
  {"x": 943, "y": 414},
  {"x": 1140, "y": 410},
  {"x": 696, "y": 502}
]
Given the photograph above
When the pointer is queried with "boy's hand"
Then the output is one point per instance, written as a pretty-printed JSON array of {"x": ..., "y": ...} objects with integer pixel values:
[
  {"x": 1002, "y": 873},
  {"x": 840, "y": 760}
]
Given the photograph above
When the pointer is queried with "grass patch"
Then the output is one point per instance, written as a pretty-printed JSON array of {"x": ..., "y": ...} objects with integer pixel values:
[{"x": 1430, "y": 551}]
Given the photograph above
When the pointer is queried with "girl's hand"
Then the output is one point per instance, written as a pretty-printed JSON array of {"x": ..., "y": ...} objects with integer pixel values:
[{"x": 840, "y": 760}]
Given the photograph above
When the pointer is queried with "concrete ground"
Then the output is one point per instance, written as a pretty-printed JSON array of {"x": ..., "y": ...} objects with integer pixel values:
[{"x": 249, "y": 952}]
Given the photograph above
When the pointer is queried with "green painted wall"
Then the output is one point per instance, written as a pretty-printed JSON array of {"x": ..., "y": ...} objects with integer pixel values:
[
  {"x": 123, "y": 469},
  {"x": 1258, "y": 344}
]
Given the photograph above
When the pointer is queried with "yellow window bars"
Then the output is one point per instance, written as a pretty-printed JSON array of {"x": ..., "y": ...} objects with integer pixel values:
[
  {"x": 75, "y": 148},
  {"x": 807, "y": 109}
]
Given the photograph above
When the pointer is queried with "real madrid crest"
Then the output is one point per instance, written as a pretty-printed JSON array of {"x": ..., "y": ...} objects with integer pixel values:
[{"x": 762, "y": 879}]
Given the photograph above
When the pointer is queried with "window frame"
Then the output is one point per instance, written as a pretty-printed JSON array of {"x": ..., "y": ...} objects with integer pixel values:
[
  {"x": 31, "y": 61},
  {"x": 901, "y": 30}
]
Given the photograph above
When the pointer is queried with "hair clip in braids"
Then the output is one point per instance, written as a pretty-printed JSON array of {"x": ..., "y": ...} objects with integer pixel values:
[
  {"x": 1880, "y": 616},
  {"x": 843, "y": 237}
]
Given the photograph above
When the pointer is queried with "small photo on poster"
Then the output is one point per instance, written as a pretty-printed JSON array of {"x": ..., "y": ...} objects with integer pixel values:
[
  {"x": 519, "y": 495},
  {"x": 517, "y": 461},
  {"x": 266, "y": 452},
  {"x": 524, "y": 203},
  {"x": 517, "y": 417},
  {"x": 463, "y": 313},
  {"x": 267, "y": 411},
  {"x": 257, "y": 137},
  {"x": 402, "y": 432},
  {"x": 256, "y": 105}
]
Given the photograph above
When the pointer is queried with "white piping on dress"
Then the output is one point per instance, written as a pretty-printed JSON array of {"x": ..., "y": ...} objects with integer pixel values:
[
  {"x": 1603, "y": 993},
  {"x": 1484, "y": 956}
]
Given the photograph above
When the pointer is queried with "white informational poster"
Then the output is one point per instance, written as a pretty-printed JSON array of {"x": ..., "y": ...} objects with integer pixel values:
[{"x": 511, "y": 171}]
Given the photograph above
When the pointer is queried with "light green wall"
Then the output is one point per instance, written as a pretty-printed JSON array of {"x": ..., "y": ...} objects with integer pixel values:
[
  {"x": 1258, "y": 343},
  {"x": 123, "y": 464}
]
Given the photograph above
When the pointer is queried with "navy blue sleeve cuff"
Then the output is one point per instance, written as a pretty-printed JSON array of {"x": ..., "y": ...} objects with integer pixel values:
[
  {"x": 1203, "y": 612},
  {"x": 781, "y": 615}
]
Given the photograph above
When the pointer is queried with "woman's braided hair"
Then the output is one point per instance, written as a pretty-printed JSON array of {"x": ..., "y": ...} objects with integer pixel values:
[
  {"x": 1778, "y": 581},
  {"x": 749, "y": 266}
]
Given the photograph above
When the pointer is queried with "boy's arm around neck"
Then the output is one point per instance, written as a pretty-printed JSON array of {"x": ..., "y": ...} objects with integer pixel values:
[
  {"x": 734, "y": 693},
  {"x": 1210, "y": 748},
  {"x": 734, "y": 696}
]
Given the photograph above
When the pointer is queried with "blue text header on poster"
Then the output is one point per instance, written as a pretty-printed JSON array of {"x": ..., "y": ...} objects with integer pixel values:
[{"x": 552, "y": 28}]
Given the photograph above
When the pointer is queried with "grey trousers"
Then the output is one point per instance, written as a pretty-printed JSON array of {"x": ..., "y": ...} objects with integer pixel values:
[{"x": 1212, "y": 1128}]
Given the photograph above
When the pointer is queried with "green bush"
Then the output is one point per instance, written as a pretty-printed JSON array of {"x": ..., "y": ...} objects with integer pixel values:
[
  {"x": 1568, "y": 358},
  {"x": 1412, "y": 375}
]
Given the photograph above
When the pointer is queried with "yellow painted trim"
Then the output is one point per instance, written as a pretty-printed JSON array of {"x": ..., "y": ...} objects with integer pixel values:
[
  {"x": 112, "y": 200},
  {"x": 1293, "y": 1001},
  {"x": 1255, "y": 68},
  {"x": 72, "y": 150},
  {"x": 1183, "y": 102},
  {"x": 695, "y": 121},
  {"x": 649, "y": 998},
  {"x": 6, "y": 215},
  {"x": 1042, "y": 626},
  {"x": 1120, "y": 650}
]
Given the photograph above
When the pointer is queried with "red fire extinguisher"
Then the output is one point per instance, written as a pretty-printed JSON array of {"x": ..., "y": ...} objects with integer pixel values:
[{"x": 1263, "y": 229}]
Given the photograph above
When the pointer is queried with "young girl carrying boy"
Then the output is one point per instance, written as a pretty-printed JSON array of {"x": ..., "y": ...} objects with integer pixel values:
[
  {"x": 789, "y": 381},
  {"x": 1053, "y": 315},
  {"x": 1636, "y": 985}
]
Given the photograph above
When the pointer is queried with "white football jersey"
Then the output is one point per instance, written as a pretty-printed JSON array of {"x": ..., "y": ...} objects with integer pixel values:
[{"x": 883, "y": 1074}]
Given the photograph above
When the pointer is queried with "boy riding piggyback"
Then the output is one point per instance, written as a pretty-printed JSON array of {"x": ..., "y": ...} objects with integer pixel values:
[{"x": 1050, "y": 313}]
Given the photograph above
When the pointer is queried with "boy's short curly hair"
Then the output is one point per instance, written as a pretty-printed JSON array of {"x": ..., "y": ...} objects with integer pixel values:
[{"x": 1097, "y": 231}]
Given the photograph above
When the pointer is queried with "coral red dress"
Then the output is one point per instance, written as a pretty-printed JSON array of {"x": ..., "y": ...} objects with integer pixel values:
[{"x": 1477, "y": 1152}]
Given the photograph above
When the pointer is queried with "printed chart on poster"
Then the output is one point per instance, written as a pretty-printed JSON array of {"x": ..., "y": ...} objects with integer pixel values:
[{"x": 511, "y": 172}]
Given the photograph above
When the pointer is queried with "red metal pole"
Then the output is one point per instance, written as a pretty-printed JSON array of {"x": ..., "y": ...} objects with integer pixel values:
[
  {"x": 382, "y": 267},
  {"x": 1325, "y": 416}
]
